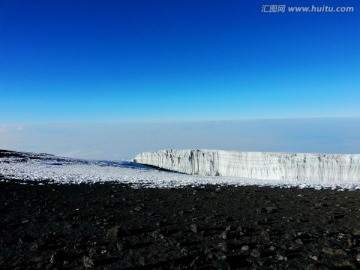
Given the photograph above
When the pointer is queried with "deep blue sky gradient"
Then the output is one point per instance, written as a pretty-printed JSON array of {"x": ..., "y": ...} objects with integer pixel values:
[{"x": 141, "y": 60}]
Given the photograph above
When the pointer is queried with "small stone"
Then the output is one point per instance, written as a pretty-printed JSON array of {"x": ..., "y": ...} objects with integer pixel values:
[
  {"x": 142, "y": 260},
  {"x": 340, "y": 252},
  {"x": 88, "y": 262},
  {"x": 194, "y": 228},
  {"x": 281, "y": 258},
  {"x": 93, "y": 251},
  {"x": 311, "y": 267},
  {"x": 223, "y": 246},
  {"x": 224, "y": 258},
  {"x": 298, "y": 241},
  {"x": 255, "y": 253},
  {"x": 269, "y": 209},
  {"x": 352, "y": 241},
  {"x": 112, "y": 233},
  {"x": 120, "y": 246},
  {"x": 224, "y": 235},
  {"x": 331, "y": 251},
  {"x": 356, "y": 232},
  {"x": 59, "y": 257},
  {"x": 242, "y": 230},
  {"x": 34, "y": 247},
  {"x": 155, "y": 233},
  {"x": 345, "y": 264},
  {"x": 358, "y": 257},
  {"x": 245, "y": 248},
  {"x": 328, "y": 250},
  {"x": 264, "y": 233},
  {"x": 314, "y": 257}
]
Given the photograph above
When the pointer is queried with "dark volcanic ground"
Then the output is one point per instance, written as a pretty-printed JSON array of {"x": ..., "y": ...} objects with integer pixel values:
[{"x": 112, "y": 226}]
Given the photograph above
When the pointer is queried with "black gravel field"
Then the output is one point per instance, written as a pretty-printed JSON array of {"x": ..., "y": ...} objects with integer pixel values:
[{"x": 113, "y": 226}]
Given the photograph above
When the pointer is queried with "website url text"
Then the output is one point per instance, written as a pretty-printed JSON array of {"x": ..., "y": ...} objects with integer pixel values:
[{"x": 313, "y": 9}]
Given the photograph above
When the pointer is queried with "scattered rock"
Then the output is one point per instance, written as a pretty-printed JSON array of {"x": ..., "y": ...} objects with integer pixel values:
[
  {"x": 319, "y": 204},
  {"x": 314, "y": 257},
  {"x": 298, "y": 241},
  {"x": 220, "y": 231},
  {"x": 311, "y": 267},
  {"x": 112, "y": 233},
  {"x": 223, "y": 246},
  {"x": 88, "y": 262},
  {"x": 60, "y": 257},
  {"x": 358, "y": 257},
  {"x": 34, "y": 247},
  {"x": 255, "y": 253},
  {"x": 194, "y": 228},
  {"x": 336, "y": 252},
  {"x": 224, "y": 235},
  {"x": 345, "y": 264},
  {"x": 155, "y": 233},
  {"x": 120, "y": 246},
  {"x": 269, "y": 209}
]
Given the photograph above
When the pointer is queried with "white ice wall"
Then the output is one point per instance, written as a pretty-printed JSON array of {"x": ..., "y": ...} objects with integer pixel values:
[{"x": 290, "y": 167}]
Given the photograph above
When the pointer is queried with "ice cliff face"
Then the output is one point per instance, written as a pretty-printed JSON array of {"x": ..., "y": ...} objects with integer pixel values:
[{"x": 257, "y": 165}]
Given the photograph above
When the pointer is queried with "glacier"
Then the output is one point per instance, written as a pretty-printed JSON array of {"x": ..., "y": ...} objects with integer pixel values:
[
  {"x": 32, "y": 167},
  {"x": 197, "y": 167},
  {"x": 287, "y": 168}
]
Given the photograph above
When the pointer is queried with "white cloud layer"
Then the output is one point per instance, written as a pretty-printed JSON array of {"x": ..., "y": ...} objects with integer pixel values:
[{"x": 117, "y": 141}]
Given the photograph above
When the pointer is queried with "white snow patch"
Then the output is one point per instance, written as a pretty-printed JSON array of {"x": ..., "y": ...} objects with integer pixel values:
[{"x": 68, "y": 170}]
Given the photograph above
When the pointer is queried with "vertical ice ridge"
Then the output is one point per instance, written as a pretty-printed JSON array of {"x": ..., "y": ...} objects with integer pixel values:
[{"x": 258, "y": 165}]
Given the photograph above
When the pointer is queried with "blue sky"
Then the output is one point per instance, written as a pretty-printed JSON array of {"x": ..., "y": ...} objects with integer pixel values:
[
  {"x": 146, "y": 61},
  {"x": 65, "y": 61}
]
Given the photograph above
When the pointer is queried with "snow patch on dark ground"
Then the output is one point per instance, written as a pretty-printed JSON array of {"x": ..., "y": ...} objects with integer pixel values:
[{"x": 45, "y": 167}]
